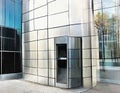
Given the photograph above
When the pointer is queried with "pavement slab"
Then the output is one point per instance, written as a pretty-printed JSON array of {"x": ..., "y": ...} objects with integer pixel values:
[{"x": 21, "y": 86}]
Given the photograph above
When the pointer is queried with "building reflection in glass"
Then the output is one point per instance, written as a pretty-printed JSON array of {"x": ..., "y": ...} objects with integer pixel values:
[
  {"x": 107, "y": 22},
  {"x": 10, "y": 36}
]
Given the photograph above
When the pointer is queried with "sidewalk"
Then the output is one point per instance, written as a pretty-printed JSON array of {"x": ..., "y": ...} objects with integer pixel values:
[
  {"x": 105, "y": 88},
  {"x": 19, "y": 86}
]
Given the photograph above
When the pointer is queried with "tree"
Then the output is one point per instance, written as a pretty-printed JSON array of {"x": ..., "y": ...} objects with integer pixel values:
[{"x": 101, "y": 22}]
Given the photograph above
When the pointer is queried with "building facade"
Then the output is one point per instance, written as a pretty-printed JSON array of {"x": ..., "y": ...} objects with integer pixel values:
[
  {"x": 63, "y": 43},
  {"x": 60, "y": 44},
  {"x": 10, "y": 39}
]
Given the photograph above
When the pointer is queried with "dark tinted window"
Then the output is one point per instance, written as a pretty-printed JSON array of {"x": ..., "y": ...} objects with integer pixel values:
[
  {"x": 18, "y": 63},
  {"x": 7, "y": 62},
  {"x": 7, "y": 32},
  {"x": 8, "y": 44}
]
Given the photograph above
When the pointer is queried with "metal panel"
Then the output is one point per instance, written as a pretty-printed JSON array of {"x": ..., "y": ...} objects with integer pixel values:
[
  {"x": 31, "y": 5},
  {"x": 86, "y": 62},
  {"x": 95, "y": 53},
  {"x": 51, "y": 44},
  {"x": 30, "y": 63},
  {"x": 74, "y": 82},
  {"x": 51, "y": 0},
  {"x": 61, "y": 31},
  {"x": 43, "y": 72},
  {"x": 25, "y": 17},
  {"x": 86, "y": 53},
  {"x": 75, "y": 43},
  {"x": 52, "y": 73},
  {"x": 26, "y": 46},
  {"x": 75, "y": 63},
  {"x": 75, "y": 30},
  {"x": 59, "y": 20},
  {"x": 58, "y": 6},
  {"x": 26, "y": 70},
  {"x": 33, "y": 45},
  {"x": 52, "y": 54},
  {"x": 25, "y": 6},
  {"x": 41, "y": 23},
  {"x": 87, "y": 82},
  {"x": 33, "y": 63},
  {"x": 51, "y": 82},
  {"x": 85, "y": 42},
  {"x": 43, "y": 80},
  {"x": 43, "y": 64},
  {"x": 33, "y": 71},
  {"x": 42, "y": 34},
  {"x": 31, "y": 15},
  {"x": 30, "y": 55},
  {"x": 42, "y": 11},
  {"x": 42, "y": 55},
  {"x": 94, "y": 71},
  {"x": 42, "y": 45},
  {"x": 74, "y": 54},
  {"x": 87, "y": 72},
  {"x": 61, "y": 40},
  {"x": 74, "y": 73},
  {"x": 26, "y": 26},
  {"x": 38, "y": 3},
  {"x": 76, "y": 11},
  {"x": 52, "y": 63},
  {"x": 85, "y": 29},
  {"x": 95, "y": 43},
  {"x": 29, "y": 77},
  {"x": 33, "y": 35}
]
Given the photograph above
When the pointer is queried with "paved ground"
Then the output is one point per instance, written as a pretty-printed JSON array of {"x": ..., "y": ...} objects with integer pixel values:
[
  {"x": 19, "y": 86},
  {"x": 105, "y": 88}
]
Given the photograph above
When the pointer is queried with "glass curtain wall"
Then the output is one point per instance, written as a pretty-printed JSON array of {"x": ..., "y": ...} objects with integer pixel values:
[
  {"x": 107, "y": 24},
  {"x": 10, "y": 36}
]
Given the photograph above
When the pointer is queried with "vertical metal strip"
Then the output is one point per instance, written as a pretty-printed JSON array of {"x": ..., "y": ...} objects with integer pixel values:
[
  {"x": 89, "y": 22},
  {"x": 68, "y": 42},
  {"x": 1, "y": 46},
  {"x": 48, "y": 40},
  {"x": 103, "y": 52},
  {"x": 1, "y": 51},
  {"x": 15, "y": 39},
  {"x": 21, "y": 43}
]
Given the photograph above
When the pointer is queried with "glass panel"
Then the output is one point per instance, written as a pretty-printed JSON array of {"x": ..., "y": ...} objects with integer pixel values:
[
  {"x": 61, "y": 63},
  {"x": 8, "y": 44},
  {"x": 0, "y": 62},
  {"x": 18, "y": 62},
  {"x": 2, "y": 12},
  {"x": 108, "y": 3},
  {"x": 9, "y": 22},
  {"x": 8, "y": 32},
  {"x": 7, "y": 62},
  {"x": 0, "y": 43},
  {"x": 107, "y": 26},
  {"x": 10, "y": 19}
]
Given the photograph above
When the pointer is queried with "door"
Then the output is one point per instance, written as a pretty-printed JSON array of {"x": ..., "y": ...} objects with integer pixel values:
[{"x": 61, "y": 63}]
